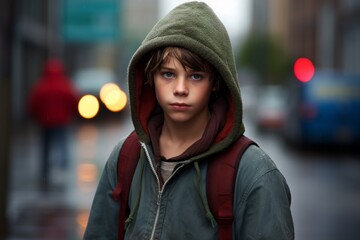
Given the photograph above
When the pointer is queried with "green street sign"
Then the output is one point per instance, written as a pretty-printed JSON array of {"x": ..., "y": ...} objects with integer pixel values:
[{"x": 91, "y": 20}]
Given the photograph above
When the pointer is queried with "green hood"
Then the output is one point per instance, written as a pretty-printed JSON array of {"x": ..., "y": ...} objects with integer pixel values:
[{"x": 193, "y": 26}]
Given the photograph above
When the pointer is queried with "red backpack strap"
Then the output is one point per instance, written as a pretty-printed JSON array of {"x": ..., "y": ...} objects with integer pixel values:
[
  {"x": 127, "y": 162},
  {"x": 221, "y": 177}
]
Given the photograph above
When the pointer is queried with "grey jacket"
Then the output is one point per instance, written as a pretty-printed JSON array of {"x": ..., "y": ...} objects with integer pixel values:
[
  {"x": 261, "y": 202},
  {"x": 179, "y": 208}
]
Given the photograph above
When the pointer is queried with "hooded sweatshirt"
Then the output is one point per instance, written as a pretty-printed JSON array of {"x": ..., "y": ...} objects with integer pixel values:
[
  {"x": 53, "y": 100},
  {"x": 193, "y": 26},
  {"x": 177, "y": 208}
]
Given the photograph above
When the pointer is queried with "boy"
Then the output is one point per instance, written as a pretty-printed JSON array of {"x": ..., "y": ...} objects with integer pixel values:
[{"x": 186, "y": 106}]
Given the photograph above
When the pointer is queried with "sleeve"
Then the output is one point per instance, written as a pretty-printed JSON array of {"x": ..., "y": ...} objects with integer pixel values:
[
  {"x": 32, "y": 103},
  {"x": 265, "y": 204},
  {"x": 104, "y": 213}
]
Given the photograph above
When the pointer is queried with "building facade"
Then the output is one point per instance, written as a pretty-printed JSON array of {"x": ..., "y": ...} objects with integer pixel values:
[{"x": 326, "y": 31}]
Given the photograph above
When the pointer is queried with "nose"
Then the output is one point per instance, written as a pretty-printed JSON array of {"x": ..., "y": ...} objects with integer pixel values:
[{"x": 180, "y": 87}]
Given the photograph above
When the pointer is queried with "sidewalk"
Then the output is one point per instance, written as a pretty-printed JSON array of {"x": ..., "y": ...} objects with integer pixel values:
[
  {"x": 35, "y": 214},
  {"x": 62, "y": 211}
]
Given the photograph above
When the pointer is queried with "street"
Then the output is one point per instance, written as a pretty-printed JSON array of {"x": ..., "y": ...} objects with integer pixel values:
[{"x": 325, "y": 187}]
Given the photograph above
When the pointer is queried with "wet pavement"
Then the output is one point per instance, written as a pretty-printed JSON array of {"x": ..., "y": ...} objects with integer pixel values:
[
  {"x": 325, "y": 187},
  {"x": 61, "y": 211}
]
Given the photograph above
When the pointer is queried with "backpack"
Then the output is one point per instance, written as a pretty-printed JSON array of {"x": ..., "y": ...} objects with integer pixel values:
[{"x": 220, "y": 183}]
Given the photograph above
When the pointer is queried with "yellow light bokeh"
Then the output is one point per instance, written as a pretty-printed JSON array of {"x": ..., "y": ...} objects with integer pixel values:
[
  {"x": 107, "y": 89},
  {"x": 113, "y": 97},
  {"x": 116, "y": 101},
  {"x": 88, "y": 106}
]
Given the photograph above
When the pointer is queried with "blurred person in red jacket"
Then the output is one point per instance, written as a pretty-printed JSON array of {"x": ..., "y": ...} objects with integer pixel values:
[{"x": 53, "y": 103}]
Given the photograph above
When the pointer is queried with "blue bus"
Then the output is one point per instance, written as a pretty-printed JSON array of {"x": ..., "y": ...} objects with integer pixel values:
[{"x": 324, "y": 111}]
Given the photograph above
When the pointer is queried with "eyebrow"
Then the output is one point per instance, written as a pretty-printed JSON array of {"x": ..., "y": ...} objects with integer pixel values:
[
  {"x": 167, "y": 68},
  {"x": 162, "y": 68}
]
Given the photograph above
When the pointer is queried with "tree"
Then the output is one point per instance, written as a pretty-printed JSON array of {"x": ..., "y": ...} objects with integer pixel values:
[{"x": 266, "y": 58}]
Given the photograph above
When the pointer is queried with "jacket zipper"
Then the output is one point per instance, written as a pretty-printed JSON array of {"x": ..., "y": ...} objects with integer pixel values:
[{"x": 159, "y": 196}]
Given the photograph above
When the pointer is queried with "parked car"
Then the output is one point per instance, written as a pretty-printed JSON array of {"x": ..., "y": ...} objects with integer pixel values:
[{"x": 269, "y": 113}]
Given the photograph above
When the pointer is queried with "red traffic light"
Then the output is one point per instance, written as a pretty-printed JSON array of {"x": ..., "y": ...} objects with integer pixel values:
[{"x": 304, "y": 69}]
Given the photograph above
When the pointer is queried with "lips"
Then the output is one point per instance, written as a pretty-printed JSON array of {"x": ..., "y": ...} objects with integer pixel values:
[{"x": 179, "y": 106}]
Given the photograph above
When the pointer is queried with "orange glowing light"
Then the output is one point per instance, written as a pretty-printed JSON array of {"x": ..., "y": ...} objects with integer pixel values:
[{"x": 87, "y": 172}]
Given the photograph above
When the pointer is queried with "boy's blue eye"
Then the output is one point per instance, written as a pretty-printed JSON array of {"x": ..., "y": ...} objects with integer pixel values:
[
  {"x": 167, "y": 74},
  {"x": 196, "y": 76}
]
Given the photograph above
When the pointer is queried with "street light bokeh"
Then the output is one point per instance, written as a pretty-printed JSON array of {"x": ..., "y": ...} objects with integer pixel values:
[{"x": 88, "y": 106}]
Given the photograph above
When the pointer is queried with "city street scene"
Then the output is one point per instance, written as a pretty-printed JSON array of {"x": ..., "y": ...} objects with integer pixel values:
[
  {"x": 298, "y": 69},
  {"x": 325, "y": 187}
]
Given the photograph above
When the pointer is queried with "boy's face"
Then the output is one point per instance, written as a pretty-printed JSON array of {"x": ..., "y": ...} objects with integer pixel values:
[{"x": 182, "y": 93}]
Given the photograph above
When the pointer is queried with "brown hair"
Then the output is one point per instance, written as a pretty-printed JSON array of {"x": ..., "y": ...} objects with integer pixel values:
[{"x": 185, "y": 57}]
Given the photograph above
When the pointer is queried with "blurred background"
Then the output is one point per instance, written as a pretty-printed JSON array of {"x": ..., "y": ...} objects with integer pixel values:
[{"x": 299, "y": 72}]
